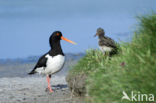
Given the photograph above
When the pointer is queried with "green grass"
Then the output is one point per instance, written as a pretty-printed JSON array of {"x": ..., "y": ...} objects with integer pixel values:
[{"x": 133, "y": 69}]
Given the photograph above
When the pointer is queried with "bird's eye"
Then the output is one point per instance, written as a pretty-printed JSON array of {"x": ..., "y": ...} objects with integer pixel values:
[{"x": 57, "y": 34}]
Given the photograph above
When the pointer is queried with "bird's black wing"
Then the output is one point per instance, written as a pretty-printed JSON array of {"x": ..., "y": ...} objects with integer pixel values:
[{"x": 41, "y": 63}]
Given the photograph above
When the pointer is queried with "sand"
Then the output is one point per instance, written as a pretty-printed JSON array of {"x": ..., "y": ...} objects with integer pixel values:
[{"x": 33, "y": 90}]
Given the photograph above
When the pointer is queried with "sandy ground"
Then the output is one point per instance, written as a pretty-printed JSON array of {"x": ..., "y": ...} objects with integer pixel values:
[{"x": 33, "y": 90}]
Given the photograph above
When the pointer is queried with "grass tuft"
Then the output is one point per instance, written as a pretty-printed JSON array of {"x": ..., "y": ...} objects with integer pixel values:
[{"x": 132, "y": 69}]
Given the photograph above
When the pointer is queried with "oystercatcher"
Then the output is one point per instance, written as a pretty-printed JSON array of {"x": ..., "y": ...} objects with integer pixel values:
[
  {"x": 106, "y": 44},
  {"x": 52, "y": 61}
]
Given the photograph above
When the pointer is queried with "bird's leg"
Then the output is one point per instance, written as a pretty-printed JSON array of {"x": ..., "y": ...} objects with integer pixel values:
[{"x": 49, "y": 86}]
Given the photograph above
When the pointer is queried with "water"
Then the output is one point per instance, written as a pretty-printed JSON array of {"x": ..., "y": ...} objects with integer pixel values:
[
  {"x": 25, "y": 25},
  {"x": 21, "y": 67}
]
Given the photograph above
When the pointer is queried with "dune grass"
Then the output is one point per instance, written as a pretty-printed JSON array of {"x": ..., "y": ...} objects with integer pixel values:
[{"x": 132, "y": 69}]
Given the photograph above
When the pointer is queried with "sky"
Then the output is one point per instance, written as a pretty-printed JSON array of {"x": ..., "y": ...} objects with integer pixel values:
[{"x": 26, "y": 25}]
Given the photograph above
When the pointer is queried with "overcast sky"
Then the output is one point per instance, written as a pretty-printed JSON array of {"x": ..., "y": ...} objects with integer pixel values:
[{"x": 25, "y": 25}]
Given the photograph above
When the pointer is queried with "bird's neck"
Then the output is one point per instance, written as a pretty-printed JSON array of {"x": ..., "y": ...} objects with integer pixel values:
[
  {"x": 101, "y": 36},
  {"x": 56, "y": 49}
]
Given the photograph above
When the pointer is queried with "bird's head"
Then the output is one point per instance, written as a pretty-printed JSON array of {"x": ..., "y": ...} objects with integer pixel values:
[
  {"x": 99, "y": 32},
  {"x": 57, "y": 36}
]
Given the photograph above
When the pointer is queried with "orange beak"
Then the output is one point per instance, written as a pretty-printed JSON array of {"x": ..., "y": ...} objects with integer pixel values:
[{"x": 63, "y": 38}]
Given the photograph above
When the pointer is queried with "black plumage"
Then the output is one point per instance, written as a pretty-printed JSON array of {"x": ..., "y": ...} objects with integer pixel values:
[
  {"x": 52, "y": 61},
  {"x": 56, "y": 49},
  {"x": 41, "y": 63}
]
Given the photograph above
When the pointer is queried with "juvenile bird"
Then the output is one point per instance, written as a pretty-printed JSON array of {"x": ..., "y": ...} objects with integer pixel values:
[{"x": 106, "y": 44}]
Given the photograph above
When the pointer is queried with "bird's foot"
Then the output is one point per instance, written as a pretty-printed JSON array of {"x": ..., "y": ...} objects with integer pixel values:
[{"x": 49, "y": 90}]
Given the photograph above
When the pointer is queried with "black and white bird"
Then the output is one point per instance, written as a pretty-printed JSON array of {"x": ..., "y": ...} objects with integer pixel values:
[
  {"x": 52, "y": 61},
  {"x": 106, "y": 44}
]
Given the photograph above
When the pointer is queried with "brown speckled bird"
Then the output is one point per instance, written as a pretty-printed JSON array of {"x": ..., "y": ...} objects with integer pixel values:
[{"x": 106, "y": 44}]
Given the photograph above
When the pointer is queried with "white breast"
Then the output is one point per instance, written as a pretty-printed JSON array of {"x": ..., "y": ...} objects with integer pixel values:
[
  {"x": 54, "y": 64},
  {"x": 105, "y": 49}
]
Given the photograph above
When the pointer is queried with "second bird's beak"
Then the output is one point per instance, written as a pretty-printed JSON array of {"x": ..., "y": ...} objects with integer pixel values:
[
  {"x": 63, "y": 38},
  {"x": 95, "y": 35}
]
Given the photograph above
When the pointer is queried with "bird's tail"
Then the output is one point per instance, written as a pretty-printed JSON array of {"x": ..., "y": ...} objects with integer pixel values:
[{"x": 32, "y": 72}]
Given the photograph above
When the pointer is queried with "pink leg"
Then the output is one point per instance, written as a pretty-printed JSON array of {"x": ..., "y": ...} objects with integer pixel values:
[{"x": 49, "y": 87}]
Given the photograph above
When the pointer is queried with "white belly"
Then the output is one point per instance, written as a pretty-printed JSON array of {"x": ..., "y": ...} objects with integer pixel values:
[
  {"x": 53, "y": 65},
  {"x": 105, "y": 49}
]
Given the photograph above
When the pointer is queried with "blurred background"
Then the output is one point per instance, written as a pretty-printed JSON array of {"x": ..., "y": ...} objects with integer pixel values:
[{"x": 25, "y": 25}]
